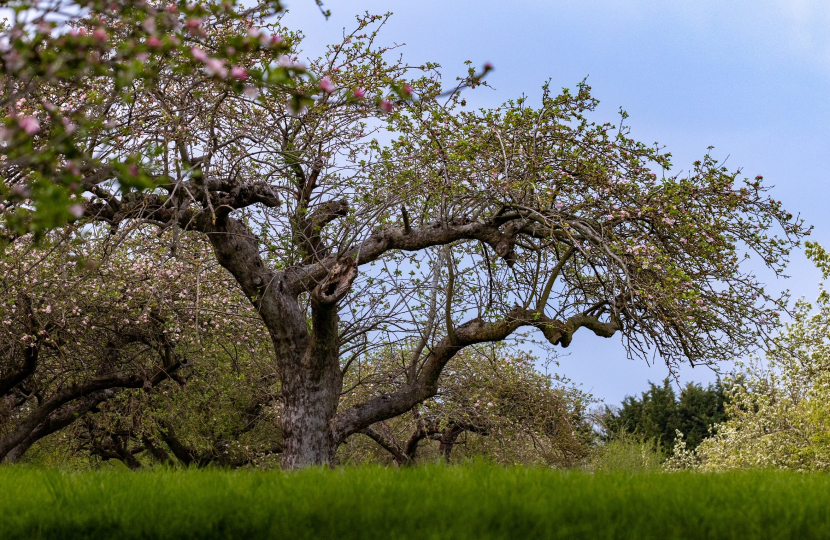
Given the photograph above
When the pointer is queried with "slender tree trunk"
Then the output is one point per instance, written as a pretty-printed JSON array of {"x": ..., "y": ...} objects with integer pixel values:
[{"x": 448, "y": 441}]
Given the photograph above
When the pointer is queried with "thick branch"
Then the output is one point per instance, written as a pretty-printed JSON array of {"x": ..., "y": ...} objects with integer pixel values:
[
  {"x": 182, "y": 453},
  {"x": 30, "y": 359},
  {"x": 157, "y": 451},
  {"x": 58, "y": 420},
  {"x": 311, "y": 226},
  {"x": 474, "y": 331},
  {"x": 447, "y": 440},
  {"x": 30, "y": 354},
  {"x": 73, "y": 392},
  {"x": 237, "y": 250},
  {"x": 398, "y": 238}
]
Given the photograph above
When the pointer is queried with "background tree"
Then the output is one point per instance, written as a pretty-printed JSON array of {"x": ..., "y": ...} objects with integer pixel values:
[
  {"x": 491, "y": 403},
  {"x": 225, "y": 413},
  {"x": 86, "y": 316},
  {"x": 659, "y": 413},
  {"x": 469, "y": 226},
  {"x": 779, "y": 410}
]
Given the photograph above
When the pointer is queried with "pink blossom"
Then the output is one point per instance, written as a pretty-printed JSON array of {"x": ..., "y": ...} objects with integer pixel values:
[
  {"x": 76, "y": 210},
  {"x": 199, "y": 54},
  {"x": 253, "y": 32},
  {"x": 100, "y": 34},
  {"x": 385, "y": 106},
  {"x": 239, "y": 73},
  {"x": 13, "y": 60},
  {"x": 326, "y": 85},
  {"x": 142, "y": 57},
  {"x": 214, "y": 66},
  {"x": 68, "y": 125},
  {"x": 153, "y": 42},
  {"x": 407, "y": 89},
  {"x": 29, "y": 124},
  {"x": 359, "y": 93}
]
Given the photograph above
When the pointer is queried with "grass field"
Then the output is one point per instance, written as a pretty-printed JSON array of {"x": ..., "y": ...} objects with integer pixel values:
[{"x": 424, "y": 503}]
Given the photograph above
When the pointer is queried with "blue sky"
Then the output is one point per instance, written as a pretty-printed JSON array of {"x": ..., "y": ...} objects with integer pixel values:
[{"x": 751, "y": 78}]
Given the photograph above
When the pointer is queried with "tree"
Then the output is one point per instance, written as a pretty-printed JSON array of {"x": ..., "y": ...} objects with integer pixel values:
[
  {"x": 491, "y": 403},
  {"x": 86, "y": 316},
  {"x": 467, "y": 227},
  {"x": 778, "y": 414},
  {"x": 221, "y": 412},
  {"x": 659, "y": 413}
]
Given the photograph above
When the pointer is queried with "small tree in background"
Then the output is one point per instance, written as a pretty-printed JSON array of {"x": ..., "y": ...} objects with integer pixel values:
[
  {"x": 491, "y": 403},
  {"x": 86, "y": 317}
]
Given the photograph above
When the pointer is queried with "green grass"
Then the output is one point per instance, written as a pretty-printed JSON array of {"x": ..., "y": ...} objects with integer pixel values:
[{"x": 425, "y": 503}]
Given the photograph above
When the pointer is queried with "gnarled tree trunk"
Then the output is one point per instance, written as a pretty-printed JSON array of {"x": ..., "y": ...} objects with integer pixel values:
[{"x": 308, "y": 361}]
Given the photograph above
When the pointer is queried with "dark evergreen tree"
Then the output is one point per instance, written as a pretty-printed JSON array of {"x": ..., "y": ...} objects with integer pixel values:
[{"x": 659, "y": 412}]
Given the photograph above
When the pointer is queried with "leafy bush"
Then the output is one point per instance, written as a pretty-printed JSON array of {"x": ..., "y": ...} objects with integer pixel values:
[
  {"x": 627, "y": 453},
  {"x": 779, "y": 411}
]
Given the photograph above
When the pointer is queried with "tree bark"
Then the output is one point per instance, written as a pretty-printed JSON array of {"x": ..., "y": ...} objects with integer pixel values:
[
  {"x": 310, "y": 401},
  {"x": 311, "y": 389}
]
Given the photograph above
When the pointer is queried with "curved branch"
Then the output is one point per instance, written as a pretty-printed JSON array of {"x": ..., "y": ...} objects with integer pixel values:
[
  {"x": 398, "y": 238},
  {"x": 471, "y": 332},
  {"x": 76, "y": 391},
  {"x": 388, "y": 444}
]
